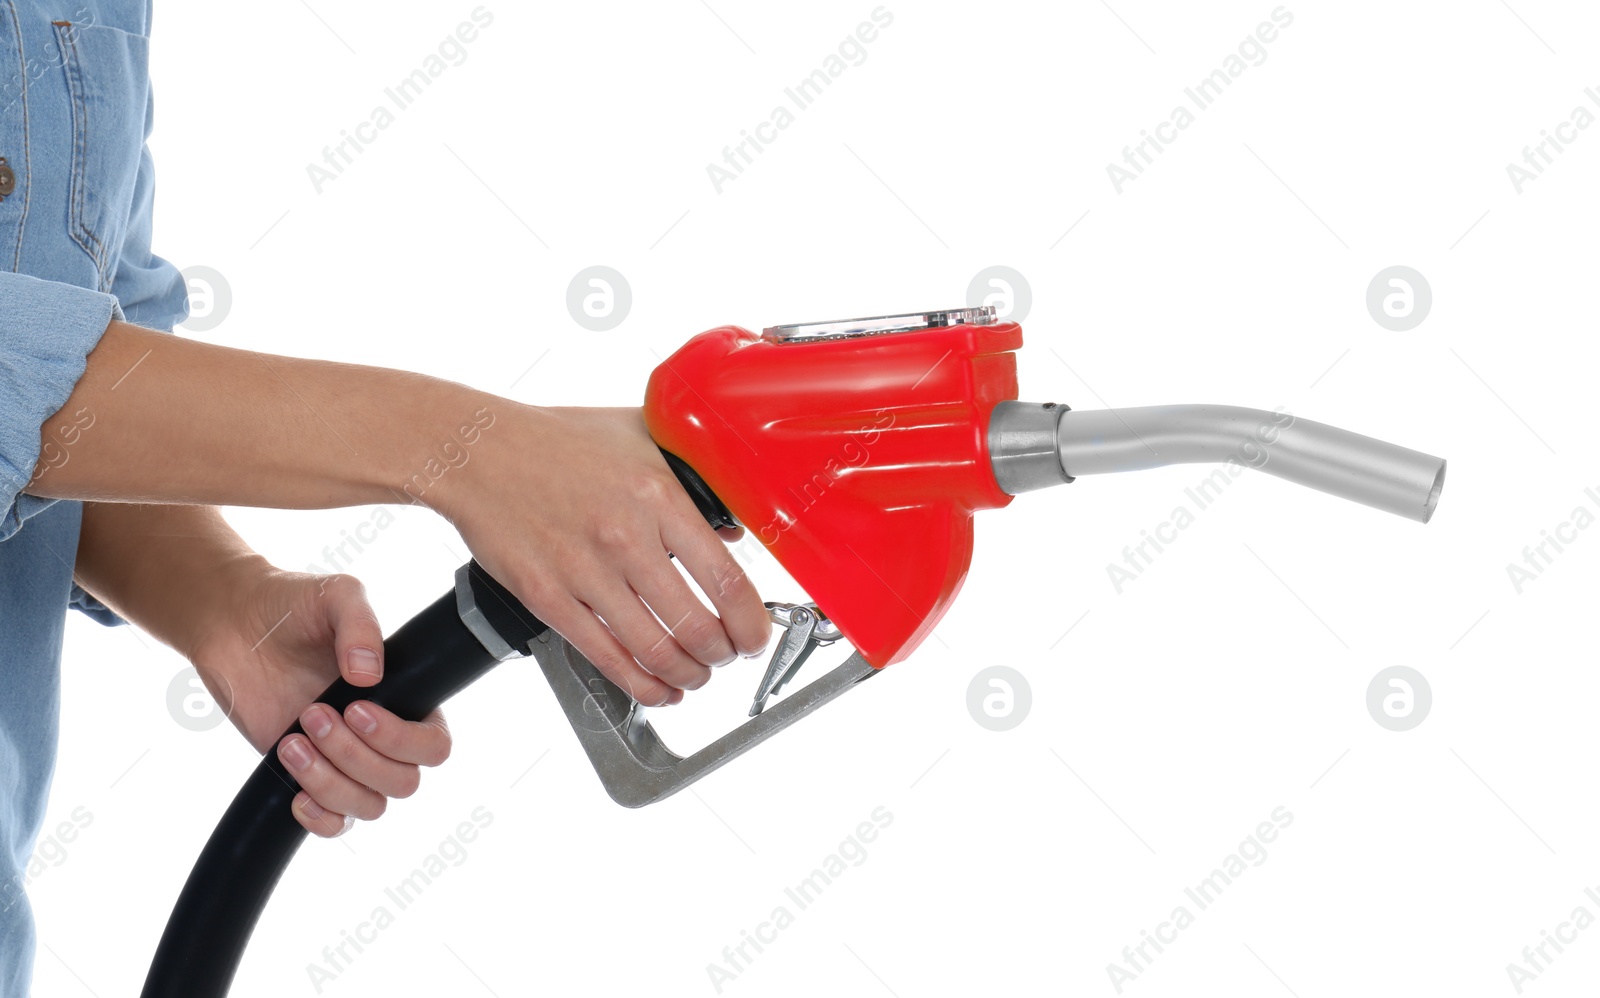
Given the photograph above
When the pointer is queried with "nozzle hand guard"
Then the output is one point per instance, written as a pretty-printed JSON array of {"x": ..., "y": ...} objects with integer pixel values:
[{"x": 633, "y": 763}]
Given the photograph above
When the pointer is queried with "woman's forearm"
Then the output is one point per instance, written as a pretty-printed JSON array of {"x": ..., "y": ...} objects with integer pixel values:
[
  {"x": 157, "y": 418},
  {"x": 167, "y": 568}
]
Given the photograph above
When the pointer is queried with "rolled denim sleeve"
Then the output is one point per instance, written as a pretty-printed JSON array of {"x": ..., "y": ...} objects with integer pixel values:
[
  {"x": 47, "y": 330},
  {"x": 97, "y": 611}
]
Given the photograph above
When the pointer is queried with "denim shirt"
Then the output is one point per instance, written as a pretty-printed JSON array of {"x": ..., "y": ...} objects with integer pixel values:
[{"x": 75, "y": 233}]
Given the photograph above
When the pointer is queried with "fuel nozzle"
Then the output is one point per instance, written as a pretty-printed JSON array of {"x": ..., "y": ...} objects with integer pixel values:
[
  {"x": 855, "y": 451},
  {"x": 1034, "y": 446}
]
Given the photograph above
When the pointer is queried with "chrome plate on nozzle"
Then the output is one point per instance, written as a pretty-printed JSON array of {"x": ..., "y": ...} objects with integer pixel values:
[{"x": 878, "y": 325}]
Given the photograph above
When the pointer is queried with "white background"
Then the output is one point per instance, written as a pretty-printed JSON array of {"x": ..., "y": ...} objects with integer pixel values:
[{"x": 1223, "y": 683}]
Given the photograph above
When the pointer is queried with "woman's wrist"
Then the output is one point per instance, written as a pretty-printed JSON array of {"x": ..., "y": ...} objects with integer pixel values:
[
  {"x": 172, "y": 570},
  {"x": 470, "y": 433},
  {"x": 209, "y": 596}
]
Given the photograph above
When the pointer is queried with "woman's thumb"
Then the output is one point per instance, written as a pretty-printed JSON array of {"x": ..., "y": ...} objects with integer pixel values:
[{"x": 357, "y": 638}]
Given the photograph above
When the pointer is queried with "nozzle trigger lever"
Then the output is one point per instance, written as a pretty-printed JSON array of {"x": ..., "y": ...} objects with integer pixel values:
[{"x": 805, "y": 630}]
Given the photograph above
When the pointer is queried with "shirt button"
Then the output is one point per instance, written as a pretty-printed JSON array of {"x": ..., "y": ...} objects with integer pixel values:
[{"x": 8, "y": 180}]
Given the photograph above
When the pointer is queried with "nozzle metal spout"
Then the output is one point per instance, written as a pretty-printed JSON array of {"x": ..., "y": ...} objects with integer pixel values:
[{"x": 1034, "y": 446}]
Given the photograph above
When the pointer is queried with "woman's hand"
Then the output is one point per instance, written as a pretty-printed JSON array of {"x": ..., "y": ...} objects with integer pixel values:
[
  {"x": 276, "y": 643},
  {"x": 576, "y": 512}
]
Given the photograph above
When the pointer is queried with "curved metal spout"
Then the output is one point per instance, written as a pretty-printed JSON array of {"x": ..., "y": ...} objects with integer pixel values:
[{"x": 1033, "y": 446}]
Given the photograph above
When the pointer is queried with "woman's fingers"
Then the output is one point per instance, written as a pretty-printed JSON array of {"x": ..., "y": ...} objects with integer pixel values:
[
  {"x": 651, "y": 645},
  {"x": 694, "y": 628},
  {"x": 352, "y": 764},
  {"x": 316, "y": 819},
  {"x": 341, "y": 745},
  {"x": 330, "y": 788},
  {"x": 594, "y": 638},
  {"x": 743, "y": 616},
  {"x": 417, "y": 743}
]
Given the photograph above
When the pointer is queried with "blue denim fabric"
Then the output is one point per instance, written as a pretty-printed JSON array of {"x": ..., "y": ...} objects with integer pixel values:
[{"x": 75, "y": 111}]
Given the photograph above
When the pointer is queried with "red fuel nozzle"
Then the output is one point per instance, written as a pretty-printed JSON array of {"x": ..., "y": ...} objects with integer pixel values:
[{"x": 856, "y": 458}]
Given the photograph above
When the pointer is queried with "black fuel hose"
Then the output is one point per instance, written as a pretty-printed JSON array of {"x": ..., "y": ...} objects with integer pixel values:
[{"x": 430, "y": 659}]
